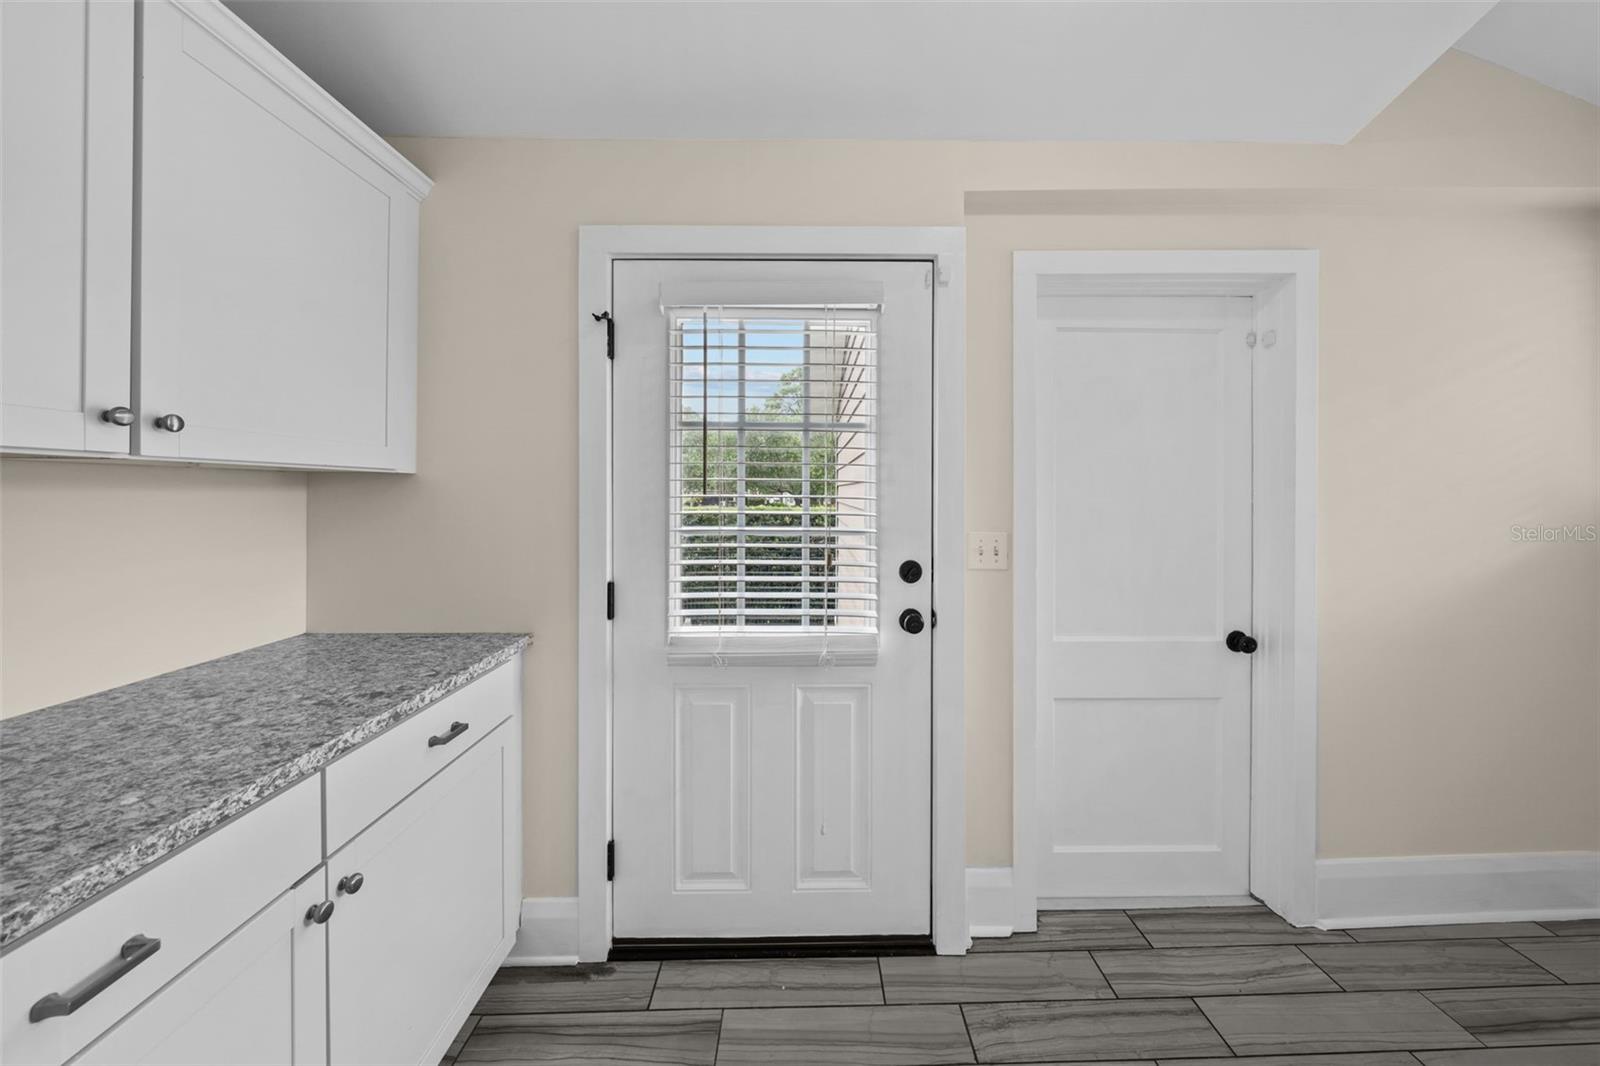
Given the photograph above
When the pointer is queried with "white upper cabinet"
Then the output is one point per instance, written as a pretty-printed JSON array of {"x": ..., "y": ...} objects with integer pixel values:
[
  {"x": 196, "y": 232},
  {"x": 66, "y": 216},
  {"x": 278, "y": 244}
]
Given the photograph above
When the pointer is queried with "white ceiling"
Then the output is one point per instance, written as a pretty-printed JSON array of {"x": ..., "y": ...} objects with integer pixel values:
[
  {"x": 1553, "y": 41},
  {"x": 1281, "y": 70}
]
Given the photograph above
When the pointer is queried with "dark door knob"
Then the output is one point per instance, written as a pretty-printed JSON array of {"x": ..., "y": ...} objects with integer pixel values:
[
  {"x": 350, "y": 884},
  {"x": 1241, "y": 642},
  {"x": 320, "y": 912},
  {"x": 911, "y": 571},
  {"x": 911, "y": 621}
]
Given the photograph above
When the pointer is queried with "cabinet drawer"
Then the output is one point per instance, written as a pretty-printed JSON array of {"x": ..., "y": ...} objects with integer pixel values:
[
  {"x": 259, "y": 999},
  {"x": 376, "y": 776},
  {"x": 190, "y": 903}
]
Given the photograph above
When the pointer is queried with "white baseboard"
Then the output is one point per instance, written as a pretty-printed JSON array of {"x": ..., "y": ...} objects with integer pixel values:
[
  {"x": 1133, "y": 903},
  {"x": 990, "y": 907},
  {"x": 549, "y": 933},
  {"x": 1441, "y": 889}
]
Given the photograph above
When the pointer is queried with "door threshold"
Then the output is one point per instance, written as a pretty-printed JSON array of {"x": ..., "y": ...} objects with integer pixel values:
[{"x": 662, "y": 949}]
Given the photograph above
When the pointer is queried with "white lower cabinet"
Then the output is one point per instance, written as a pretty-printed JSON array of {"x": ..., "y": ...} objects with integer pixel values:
[
  {"x": 429, "y": 921},
  {"x": 259, "y": 998},
  {"x": 253, "y": 945}
]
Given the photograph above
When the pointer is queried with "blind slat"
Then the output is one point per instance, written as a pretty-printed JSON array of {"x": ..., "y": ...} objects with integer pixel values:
[{"x": 772, "y": 525}]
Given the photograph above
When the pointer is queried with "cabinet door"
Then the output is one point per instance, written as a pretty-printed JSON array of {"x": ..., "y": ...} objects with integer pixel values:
[
  {"x": 259, "y": 997},
  {"x": 277, "y": 260},
  {"x": 66, "y": 215},
  {"x": 415, "y": 945}
]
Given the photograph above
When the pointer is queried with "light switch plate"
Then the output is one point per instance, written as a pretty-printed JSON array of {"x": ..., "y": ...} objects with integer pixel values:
[{"x": 988, "y": 551}]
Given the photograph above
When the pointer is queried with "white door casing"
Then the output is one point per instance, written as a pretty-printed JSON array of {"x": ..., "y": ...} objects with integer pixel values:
[
  {"x": 772, "y": 796},
  {"x": 1143, "y": 487}
]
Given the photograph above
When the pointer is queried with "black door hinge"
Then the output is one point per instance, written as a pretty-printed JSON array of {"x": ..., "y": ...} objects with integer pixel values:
[
  {"x": 611, "y": 600},
  {"x": 611, "y": 860},
  {"x": 611, "y": 333}
]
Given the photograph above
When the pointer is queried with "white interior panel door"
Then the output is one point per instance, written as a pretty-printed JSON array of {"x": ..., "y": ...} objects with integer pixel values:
[
  {"x": 1144, "y": 535},
  {"x": 771, "y": 715}
]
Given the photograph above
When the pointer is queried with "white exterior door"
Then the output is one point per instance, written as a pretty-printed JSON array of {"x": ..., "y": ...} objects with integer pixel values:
[
  {"x": 771, "y": 715},
  {"x": 1144, "y": 566}
]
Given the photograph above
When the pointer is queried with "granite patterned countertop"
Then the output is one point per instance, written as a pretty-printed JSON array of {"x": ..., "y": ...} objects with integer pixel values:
[{"x": 95, "y": 789}]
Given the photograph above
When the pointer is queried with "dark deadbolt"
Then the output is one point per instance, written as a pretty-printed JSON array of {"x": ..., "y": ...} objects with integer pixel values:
[
  {"x": 911, "y": 620},
  {"x": 1240, "y": 642},
  {"x": 911, "y": 571}
]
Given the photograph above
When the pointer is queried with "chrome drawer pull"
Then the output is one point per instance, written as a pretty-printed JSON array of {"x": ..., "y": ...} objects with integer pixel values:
[
  {"x": 455, "y": 730},
  {"x": 59, "y": 1005}
]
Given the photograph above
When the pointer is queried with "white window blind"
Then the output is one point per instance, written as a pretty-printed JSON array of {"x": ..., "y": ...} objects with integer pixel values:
[{"x": 773, "y": 508}]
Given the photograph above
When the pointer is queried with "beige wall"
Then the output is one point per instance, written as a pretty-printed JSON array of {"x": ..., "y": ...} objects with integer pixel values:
[
  {"x": 114, "y": 572},
  {"x": 1458, "y": 397}
]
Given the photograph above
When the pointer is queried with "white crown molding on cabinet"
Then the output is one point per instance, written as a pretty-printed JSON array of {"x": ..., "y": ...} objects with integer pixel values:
[{"x": 250, "y": 46}]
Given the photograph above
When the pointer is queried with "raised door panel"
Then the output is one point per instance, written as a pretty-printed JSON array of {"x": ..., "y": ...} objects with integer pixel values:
[
  {"x": 66, "y": 212},
  {"x": 259, "y": 998},
  {"x": 273, "y": 265},
  {"x": 429, "y": 923}
]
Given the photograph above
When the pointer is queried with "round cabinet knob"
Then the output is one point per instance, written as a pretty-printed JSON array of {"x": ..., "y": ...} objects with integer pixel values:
[
  {"x": 350, "y": 884},
  {"x": 319, "y": 913},
  {"x": 911, "y": 571},
  {"x": 170, "y": 423},
  {"x": 1241, "y": 642},
  {"x": 117, "y": 416},
  {"x": 911, "y": 621}
]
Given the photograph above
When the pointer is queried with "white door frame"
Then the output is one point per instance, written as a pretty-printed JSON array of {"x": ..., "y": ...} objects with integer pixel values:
[
  {"x": 944, "y": 247},
  {"x": 1283, "y": 759}
]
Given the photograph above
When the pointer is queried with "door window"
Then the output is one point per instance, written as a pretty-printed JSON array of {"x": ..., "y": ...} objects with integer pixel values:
[{"x": 772, "y": 479}]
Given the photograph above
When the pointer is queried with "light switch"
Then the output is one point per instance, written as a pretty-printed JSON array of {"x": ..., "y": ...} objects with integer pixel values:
[{"x": 988, "y": 551}]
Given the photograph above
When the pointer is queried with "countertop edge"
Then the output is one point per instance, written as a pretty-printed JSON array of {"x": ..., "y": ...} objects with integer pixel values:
[{"x": 22, "y": 923}]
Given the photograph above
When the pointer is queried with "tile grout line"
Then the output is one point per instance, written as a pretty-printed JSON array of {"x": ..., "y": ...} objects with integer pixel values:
[
  {"x": 1137, "y": 928},
  {"x": 1194, "y": 1001},
  {"x": 1101, "y": 971},
  {"x": 1470, "y": 1034},
  {"x": 961, "y": 1008},
  {"x": 1337, "y": 983},
  {"x": 883, "y": 989},
  {"x": 1536, "y": 962},
  {"x": 1067, "y": 1000},
  {"x": 716, "y": 1049},
  {"x": 655, "y": 982}
]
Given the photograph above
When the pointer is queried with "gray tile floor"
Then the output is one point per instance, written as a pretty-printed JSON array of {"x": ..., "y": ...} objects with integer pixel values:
[{"x": 1134, "y": 988}]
